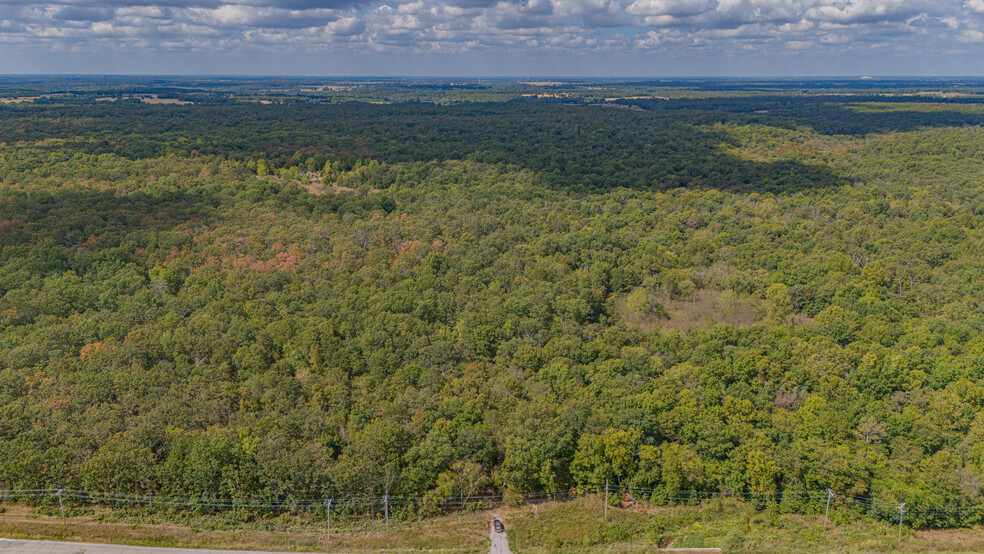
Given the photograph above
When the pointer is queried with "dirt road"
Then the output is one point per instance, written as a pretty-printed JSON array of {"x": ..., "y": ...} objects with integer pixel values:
[{"x": 499, "y": 541}]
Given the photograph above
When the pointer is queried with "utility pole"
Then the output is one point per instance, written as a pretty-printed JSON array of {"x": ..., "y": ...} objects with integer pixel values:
[
  {"x": 830, "y": 494},
  {"x": 328, "y": 515},
  {"x": 61, "y": 506},
  {"x": 901, "y": 510},
  {"x": 386, "y": 510},
  {"x": 606, "y": 499}
]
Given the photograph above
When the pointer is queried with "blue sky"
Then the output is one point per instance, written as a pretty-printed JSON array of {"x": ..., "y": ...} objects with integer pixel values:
[{"x": 491, "y": 37}]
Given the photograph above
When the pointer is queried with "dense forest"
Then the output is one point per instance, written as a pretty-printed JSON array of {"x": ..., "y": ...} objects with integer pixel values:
[{"x": 303, "y": 300}]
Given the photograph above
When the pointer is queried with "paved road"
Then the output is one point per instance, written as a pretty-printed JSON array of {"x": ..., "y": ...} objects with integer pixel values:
[
  {"x": 500, "y": 544},
  {"x": 55, "y": 547}
]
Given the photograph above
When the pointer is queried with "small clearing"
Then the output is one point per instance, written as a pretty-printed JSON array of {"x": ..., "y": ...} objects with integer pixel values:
[
  {"x": 702, "y": 309},
  {"x": 317, "y": 188}
]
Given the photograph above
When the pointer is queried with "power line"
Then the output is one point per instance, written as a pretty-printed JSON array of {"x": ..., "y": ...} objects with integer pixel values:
[{"x": 478, "y": 500}]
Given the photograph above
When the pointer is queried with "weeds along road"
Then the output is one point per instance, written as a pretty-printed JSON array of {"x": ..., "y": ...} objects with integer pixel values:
[{"x": 57, "y": 547}]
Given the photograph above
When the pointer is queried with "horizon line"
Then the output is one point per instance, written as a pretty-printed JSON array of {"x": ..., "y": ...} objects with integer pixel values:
[{"x": 862, "y": 77}]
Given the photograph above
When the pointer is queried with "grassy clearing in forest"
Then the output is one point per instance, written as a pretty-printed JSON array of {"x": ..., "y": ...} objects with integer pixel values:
[{"x": 701, "y": 309}]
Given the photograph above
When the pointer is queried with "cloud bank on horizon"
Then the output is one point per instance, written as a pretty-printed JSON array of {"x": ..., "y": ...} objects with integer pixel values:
[{"x": 93, "y": 34}]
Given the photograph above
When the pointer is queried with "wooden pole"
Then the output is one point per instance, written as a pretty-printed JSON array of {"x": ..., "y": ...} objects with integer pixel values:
[
  {"x": 826, "y": 512},
  {"x": 606, "y": 499}
]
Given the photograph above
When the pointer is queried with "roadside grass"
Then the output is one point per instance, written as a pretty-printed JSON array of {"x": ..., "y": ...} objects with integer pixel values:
[
  {"x": 465, "y": 533},
  {"x": 577, "y": 526},
  {"x": 580, "y": 527}
]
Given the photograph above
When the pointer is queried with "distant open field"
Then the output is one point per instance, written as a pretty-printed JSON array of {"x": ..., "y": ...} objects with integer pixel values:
[
  {"x": 20, "y": 99},
  {"x": 146, "y": 99}
]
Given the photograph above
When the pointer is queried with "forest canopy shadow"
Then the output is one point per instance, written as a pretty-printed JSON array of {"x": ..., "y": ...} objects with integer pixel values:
[
  {"x": 571, "y": 146},
  {"x": 61, "y": 225}
]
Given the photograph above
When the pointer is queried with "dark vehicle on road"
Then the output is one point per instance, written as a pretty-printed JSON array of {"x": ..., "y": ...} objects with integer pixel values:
[{"x": 499, "y": 527}]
